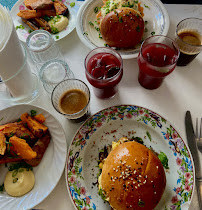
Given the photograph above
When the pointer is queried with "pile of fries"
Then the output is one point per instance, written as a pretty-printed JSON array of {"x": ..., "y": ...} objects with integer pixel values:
[
  {"x": 39, "y": 12},
  {"x": 24, "y": 140}
]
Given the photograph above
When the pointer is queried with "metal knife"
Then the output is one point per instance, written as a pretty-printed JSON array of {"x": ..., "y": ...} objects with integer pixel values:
[{"x": 191, "y": 139}]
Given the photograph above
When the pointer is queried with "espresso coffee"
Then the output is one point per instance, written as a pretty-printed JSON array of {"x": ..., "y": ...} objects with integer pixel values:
[
  {"x": 190, "y": 39},
  {"x": 73, "y": 101}
]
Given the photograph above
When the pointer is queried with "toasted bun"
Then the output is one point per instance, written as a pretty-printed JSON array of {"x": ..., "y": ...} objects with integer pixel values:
[
  {"x": 123, "y": 28},
  {"x": 133, "y": 177}
]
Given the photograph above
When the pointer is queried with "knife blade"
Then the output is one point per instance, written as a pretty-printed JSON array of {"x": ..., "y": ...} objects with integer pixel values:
[{"x": 191, "y": 139}]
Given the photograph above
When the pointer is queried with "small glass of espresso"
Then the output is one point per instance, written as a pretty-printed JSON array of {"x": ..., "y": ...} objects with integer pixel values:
[
  {"x": 156, "y": 60},
  {"x": 188, "y": 37},
  {"x": 104, "y": 71},
  {"x": 71, "y": 98}
]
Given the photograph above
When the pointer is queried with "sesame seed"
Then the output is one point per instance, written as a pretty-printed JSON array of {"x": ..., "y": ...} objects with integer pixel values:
[
  {"x": 151, "y": 181},
  {"x": 157, "y": 167},
  {"x": 154, "y": 192}
]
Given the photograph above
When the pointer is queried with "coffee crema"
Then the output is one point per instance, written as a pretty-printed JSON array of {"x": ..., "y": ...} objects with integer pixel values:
[
  {"x": 73, "y": 101},
  {"x": 189, "y": 46}
]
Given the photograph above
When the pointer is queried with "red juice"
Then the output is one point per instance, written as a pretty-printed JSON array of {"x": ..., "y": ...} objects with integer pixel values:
[
  {"x": 156, "y": 61},
  {"x": 104, "y": 72}
]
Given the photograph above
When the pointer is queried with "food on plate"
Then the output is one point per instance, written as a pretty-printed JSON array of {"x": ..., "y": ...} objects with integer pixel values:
[
  {"x": 21, "y": 148},
  {"x": 18, "y": 183},
  {"x": 132, "y": 176},
  {"x": 121, "y": 23},
  {"x": 49, "y": 15},
  {"x": 24, "y": 141},
  {"x": 59, "y": 22}
]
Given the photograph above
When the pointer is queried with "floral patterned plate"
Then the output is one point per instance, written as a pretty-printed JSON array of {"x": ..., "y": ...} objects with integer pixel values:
[
  {"x": 127, "y": 120},
  {"x": 24, "y": 32}
]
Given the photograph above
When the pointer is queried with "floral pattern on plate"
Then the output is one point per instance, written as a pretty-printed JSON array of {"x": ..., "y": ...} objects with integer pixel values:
[{"x": 109, "y": 124}]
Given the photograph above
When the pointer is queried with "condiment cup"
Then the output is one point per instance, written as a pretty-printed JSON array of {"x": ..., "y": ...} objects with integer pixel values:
[{"x": 69, "y": 85}]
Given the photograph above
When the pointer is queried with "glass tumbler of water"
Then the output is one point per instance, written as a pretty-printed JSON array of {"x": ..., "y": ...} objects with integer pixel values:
[{"x": 42, "y": 48}]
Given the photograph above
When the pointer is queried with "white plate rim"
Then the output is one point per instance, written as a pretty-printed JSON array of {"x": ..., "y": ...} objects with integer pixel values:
[{"x": 63, "y": 158}]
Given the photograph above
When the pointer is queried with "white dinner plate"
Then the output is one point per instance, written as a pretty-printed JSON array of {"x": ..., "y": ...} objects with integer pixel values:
[
  {"x": 127, "y": 120},
  {"x": 24, "y": 33},
  {"x": 50, "y": 169},
  {"x": 156, "y": 16}
]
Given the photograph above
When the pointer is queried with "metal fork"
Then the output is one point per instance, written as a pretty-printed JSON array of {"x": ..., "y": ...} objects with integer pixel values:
[{"x": 199, "y": 135}]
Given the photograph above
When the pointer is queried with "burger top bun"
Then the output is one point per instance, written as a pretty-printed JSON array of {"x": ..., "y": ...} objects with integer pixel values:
[
  {"x": 122, "y": 28},
  {"x": 133, "y": 177}
]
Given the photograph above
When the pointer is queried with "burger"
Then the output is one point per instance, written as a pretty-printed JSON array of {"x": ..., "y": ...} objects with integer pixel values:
[
  {"x": 132, "y": 177},
  {"x": 121, "y": 23}
]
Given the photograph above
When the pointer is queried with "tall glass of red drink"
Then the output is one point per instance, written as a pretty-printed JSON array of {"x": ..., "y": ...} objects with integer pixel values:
[
  {"x": 104, "y": 71},
  {"x": 157, "y": 59}
]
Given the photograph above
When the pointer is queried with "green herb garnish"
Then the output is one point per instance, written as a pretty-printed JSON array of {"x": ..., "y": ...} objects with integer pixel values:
[
  {"x": 141, "y": 203},
  {"x": 120, "y": 19},
  {"x": 33, "y": 113},
  {"x": 97, "y": 29},
  {"x": 72, "y": 4},
  {"x": 149, "y": 135},
  {"x": 57, "y": 37},
  {"x": 19, "y": 27},
  {"x": 100, "y": 36},
  {"x": 153, "y": 33},
  {"x": 137, "y": 139},
  {"x": 96, "y": 9},
  {"x": 138, "y": 28},
  {"x": 101, "y": 193},
  {"x": 164, "y": 160},
  {"x": 1, "y": 188},
  {"x": 146, "y": 6},
  {"x": 106, "y": 45},
  {"x": 17, "y": 166},
  {"x": 48, "y": 18},
  {"x": 54, "y": 30},
  {"x": 145, "y": 22},
  {"x": 90, "y": 23},
  {"x": 85, "y": 33},
  {"x": 14, "y": 173},
  {"x": 15, "y": 180}
]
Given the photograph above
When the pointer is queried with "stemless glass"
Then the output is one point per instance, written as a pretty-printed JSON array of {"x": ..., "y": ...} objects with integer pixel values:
[
  {"x": 104, "y": 71},
  {"x": 188, "y": 37},
  {"x": 61, "y": 89},
  {"x": 157, "y": 59},
  {"x": 42, "y": 47},
  {"x": 53, "y": 72}
]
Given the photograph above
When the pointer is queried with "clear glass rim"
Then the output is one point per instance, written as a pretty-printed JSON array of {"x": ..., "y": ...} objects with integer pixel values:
[
  {"x": 174, "y": 43},
  {"x": 66, "y": 67},
  {"x": 71, "y": 115},
  {"x": 38, "y": 32},
  {"x": 108, "y": 79},
  {"x": 24, "y": 62},
  {"x": 198, "y": 46}
]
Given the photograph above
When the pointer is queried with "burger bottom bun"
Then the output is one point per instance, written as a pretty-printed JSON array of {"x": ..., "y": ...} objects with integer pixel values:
[
  {"x": 123, "y": 28},
  {"x": 133, "y": 177}
]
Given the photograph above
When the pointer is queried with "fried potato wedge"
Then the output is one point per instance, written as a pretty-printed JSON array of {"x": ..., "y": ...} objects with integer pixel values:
[
  {"x": 28, "y": 14},
  {"x": 35, "y": 127},
  {"x": 2, "y": 144},
  {"x": 21, "y": 148},
  {"x": 60, "y": 8},
  {"x": 40, "y": 148},
  {"x": 38, "y": 4}
]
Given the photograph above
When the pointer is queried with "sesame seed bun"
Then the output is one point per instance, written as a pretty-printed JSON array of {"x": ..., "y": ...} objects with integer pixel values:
[
  {"x": 122, "y": 28},
  {"x": 133, "y": 177}
]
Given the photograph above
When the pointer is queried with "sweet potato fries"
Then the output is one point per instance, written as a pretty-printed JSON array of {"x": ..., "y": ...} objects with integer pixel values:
[
  {"x": 38, "y": 12},
  {"x": 25, "y": 140}
]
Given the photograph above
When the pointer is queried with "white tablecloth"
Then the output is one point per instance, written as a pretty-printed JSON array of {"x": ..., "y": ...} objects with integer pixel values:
[{"x": 181, "y": 91}]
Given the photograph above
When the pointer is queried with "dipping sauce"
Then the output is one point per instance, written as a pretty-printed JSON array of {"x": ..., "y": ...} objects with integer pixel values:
[
  {"x": 155, "y": 63},
  {"x": 192, "y": 38},
  {"x": 73, "y": 101},
  {"x": 19, "y": 182},
  {"x": 104, "y": 72}
]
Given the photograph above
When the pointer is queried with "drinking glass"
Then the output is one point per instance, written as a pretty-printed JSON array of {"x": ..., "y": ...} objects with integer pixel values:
[
  {"x": 188, "y": 37},
  {"x": 42, "y": 47},
  {"x": 157, "y": 59},
  {"x": 104, "y": 71},
  {"x": 61, "y": 89},
  {"x": 53, "y": 72}
]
